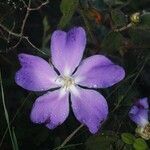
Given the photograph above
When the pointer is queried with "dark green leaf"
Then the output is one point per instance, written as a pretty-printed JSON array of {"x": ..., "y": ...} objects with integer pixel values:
[
  {"x": 115, "y": 2},
  {"x": 103, "y": 141},
  {"x": 140, "y": 144},
  {"x": 45, "y": 24},
  {"x": 145, "y": 20},
  {"x": 112, "y": 42},
  {"x": 15, "y": 139},
  {"x": 118, "y": 18},
  {"x": 140, "y": 37},
  {"x": 127, "y": 138},
  {"x": 68, "y": 8}
]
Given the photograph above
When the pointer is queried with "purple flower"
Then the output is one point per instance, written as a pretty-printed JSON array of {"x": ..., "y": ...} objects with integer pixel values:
[
  {"x": 97, "y": 71},
  {"x": 139, "y": 112}
]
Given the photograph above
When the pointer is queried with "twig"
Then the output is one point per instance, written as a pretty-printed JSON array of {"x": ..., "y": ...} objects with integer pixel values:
[
  {"x": 23, "y": 25},
  {"x": 26, "y": 16},
  {"x": 20, "y": 35},
  {"x": 123, "y": 28},
  {"x": 39, "y": 7},
  {"x": 24, "y": 3},
  {"x": 71, "y": 145},
  {"x": 69, "y": 137},
  {"x": 122, "y": 98},
  {"x": 27, "y": 39}
]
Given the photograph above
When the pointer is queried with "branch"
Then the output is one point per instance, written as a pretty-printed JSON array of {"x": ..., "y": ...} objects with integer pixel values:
[
  {"x": 23, "y": 25},
  {"x": 20, "y": 35},
  {"x": 69, "y": 137},
  {"x": 123, "y": 28},
  {"x": 39, "y": 7}
]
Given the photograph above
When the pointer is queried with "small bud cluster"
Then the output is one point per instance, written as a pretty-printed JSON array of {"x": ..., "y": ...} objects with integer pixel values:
[
  {"x": 135, "y": 18},
  {"x": 144, "y": 132}
]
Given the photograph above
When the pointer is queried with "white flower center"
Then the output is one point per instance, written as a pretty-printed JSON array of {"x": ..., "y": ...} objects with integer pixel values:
[{"x": 66, "y": 82}]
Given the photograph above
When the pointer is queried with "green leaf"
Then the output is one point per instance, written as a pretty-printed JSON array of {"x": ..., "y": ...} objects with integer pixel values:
[
  {"x": 103, "y": 141},
  {"x": 15, "y": 139},
  {"x": 46, "y": 24},
  {"x": 127, "y": 138},
  {"x": 140, "y": 37},
  {"x": 112, "y": 42},
  {"x": 115, "y": 2},
  {"x": 118, "y": 17},
  {"x": 145, "y": 20},
  {"x": 140, "y": 144},
  {"x": 68, "y": 8}
]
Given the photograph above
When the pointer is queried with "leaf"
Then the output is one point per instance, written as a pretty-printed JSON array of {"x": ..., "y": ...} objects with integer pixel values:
[
  {"x": 145, "y": 20},
  {"x": 68, "y": 8},
  {"x": 118, "y": 17},
  {"x": 140, "y": 37},
  {"x": 127, "y": 138},
  {"x": 15, "y": 139},
  {"x": 46, "y": 24},
  {"x": 103, "y": 141},
  {"x": 140, "y": 144},
  {"x": 115, "y": 2},
  {"x": 112, "y": 42}
]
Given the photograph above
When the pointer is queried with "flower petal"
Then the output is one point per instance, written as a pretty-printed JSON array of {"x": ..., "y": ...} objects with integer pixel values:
[
  {"x": 67, "y": 46},
  {"x": 139, "y": 112},
  {"x": 51, "y": 109},
  {"x": 90, "y": 108},
  {"x": 36, "y": 74},
  {"x": 98, "y": 72}
]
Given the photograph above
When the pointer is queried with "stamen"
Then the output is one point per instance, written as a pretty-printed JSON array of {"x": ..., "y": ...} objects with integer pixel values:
[{"x": 66, "y": 82}]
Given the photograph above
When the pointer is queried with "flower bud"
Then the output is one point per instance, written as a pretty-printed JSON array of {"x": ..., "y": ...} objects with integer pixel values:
[
  {"x": 144, "y": 132},
  {"x": 135, "y": 18}
]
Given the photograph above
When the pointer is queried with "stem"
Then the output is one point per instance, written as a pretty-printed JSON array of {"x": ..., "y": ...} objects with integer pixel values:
[
  {"x": 14, "y": 117},
  {"x": 69, "y": 137},
  {"x": 6, "y": 112},
  {"x": 123, "y": 28},
  {"x": 118, "y": 104}
]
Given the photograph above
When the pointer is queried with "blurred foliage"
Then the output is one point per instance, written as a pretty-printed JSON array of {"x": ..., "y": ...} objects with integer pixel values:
[
  {"x": 119, "y": 29},
  {"x": 67, "y": 8}
]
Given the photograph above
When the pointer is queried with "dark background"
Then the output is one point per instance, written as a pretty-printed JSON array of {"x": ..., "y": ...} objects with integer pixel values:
[{"x": 110, "y": 31}]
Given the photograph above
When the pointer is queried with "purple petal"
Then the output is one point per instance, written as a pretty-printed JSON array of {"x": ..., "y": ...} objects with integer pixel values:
[
  {"x": 98, "y": 72},
  {"x": 67, "y": 49},
  {"x": 139, "y": 112},
  {"x": 36, "y": 74},
  {"x": 90, "y": 108},
  {"x": 51, "y": 109}
]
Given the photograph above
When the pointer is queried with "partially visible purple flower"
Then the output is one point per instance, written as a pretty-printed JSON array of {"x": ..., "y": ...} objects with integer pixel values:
[
  {"x": 97, "y": 71},
  {"x": 139, "y": 112}
]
